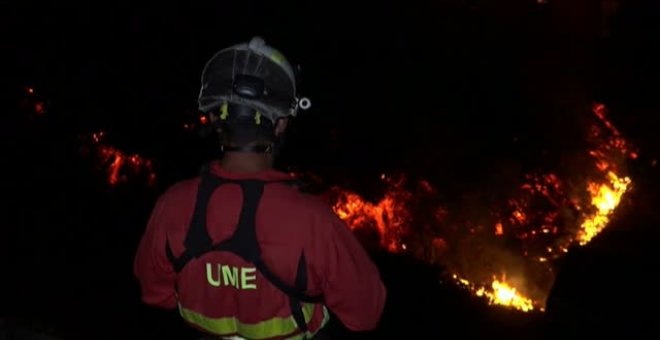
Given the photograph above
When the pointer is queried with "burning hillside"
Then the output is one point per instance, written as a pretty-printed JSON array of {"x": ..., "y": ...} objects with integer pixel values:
[
  {"x": 509, "y": 258},
  {"x": 507, "y": 253}
]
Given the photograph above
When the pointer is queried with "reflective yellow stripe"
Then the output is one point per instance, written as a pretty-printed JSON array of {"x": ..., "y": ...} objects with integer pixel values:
[
  {"x": 277, "y": 57},
  {"x": 326, "y": 318},
  {"x": 261, "y": 330}
]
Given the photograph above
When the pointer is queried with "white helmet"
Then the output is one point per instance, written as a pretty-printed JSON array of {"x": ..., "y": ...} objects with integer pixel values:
[{"x": 251, "y": 75}]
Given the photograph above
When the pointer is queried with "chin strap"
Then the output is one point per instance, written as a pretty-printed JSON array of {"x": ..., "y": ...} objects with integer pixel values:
[{"x": 259, "y": 148}]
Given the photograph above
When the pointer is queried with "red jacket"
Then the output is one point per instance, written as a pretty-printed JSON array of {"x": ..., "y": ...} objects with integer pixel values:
[{"x": 222, "y": 294}]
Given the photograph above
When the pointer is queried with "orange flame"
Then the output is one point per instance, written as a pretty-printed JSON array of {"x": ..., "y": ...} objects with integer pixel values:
[
  {"x": 499, "y": 292},
  {"x": 605, "y": 195},
  {"x": 537, "y": 219},
  {"x": 388, "y": 216}
]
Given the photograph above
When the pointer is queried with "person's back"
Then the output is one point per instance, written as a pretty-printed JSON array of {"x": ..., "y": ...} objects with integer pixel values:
[{"x": 240, "y": 250}]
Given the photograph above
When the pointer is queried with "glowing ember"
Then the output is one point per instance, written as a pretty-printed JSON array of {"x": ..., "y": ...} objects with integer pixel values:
[
  {"x": 39, "y": 107},
  {"x": 533, "y": 228},
  {"x": 33, "y": 102},
  {"x": 119, "y": 164},
  {"x": 499, "y": 230}
]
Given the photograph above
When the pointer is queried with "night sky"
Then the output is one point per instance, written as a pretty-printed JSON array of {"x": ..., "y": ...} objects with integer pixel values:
[{"x": 468, "y": 94}]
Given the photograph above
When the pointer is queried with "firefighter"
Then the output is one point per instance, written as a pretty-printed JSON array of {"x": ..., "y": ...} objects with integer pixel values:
[{"x": 240, "y": 250}]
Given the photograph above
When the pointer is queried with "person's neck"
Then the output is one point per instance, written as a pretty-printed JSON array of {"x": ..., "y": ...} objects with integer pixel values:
[{"x": 246, "y": 162}]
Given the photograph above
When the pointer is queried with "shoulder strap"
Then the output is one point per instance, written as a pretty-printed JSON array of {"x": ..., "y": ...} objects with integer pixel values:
[
  {"x": 198, "y": 235},
  {"x": 197, "y": 241},
  {"x": 244, "y": 240}
]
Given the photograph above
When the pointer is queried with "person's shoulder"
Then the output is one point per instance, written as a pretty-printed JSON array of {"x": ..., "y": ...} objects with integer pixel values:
[
  {"x": 313, "y": 205},
  {"x": 181, "y": 190}
]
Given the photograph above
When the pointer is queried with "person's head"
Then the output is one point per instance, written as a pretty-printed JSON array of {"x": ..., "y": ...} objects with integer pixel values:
[{"x": 249, "y": 92}]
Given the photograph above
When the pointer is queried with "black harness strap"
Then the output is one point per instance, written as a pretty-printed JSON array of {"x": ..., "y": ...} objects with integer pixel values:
[
  {"x": 243, "y": 242},
  {"x": 197, "y": 241}
]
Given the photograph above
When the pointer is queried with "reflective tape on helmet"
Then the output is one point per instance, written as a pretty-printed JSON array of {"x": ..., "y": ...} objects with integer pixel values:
[
  {"x": 278, "y": 58},
  {"x": 224, "y": 112}
]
